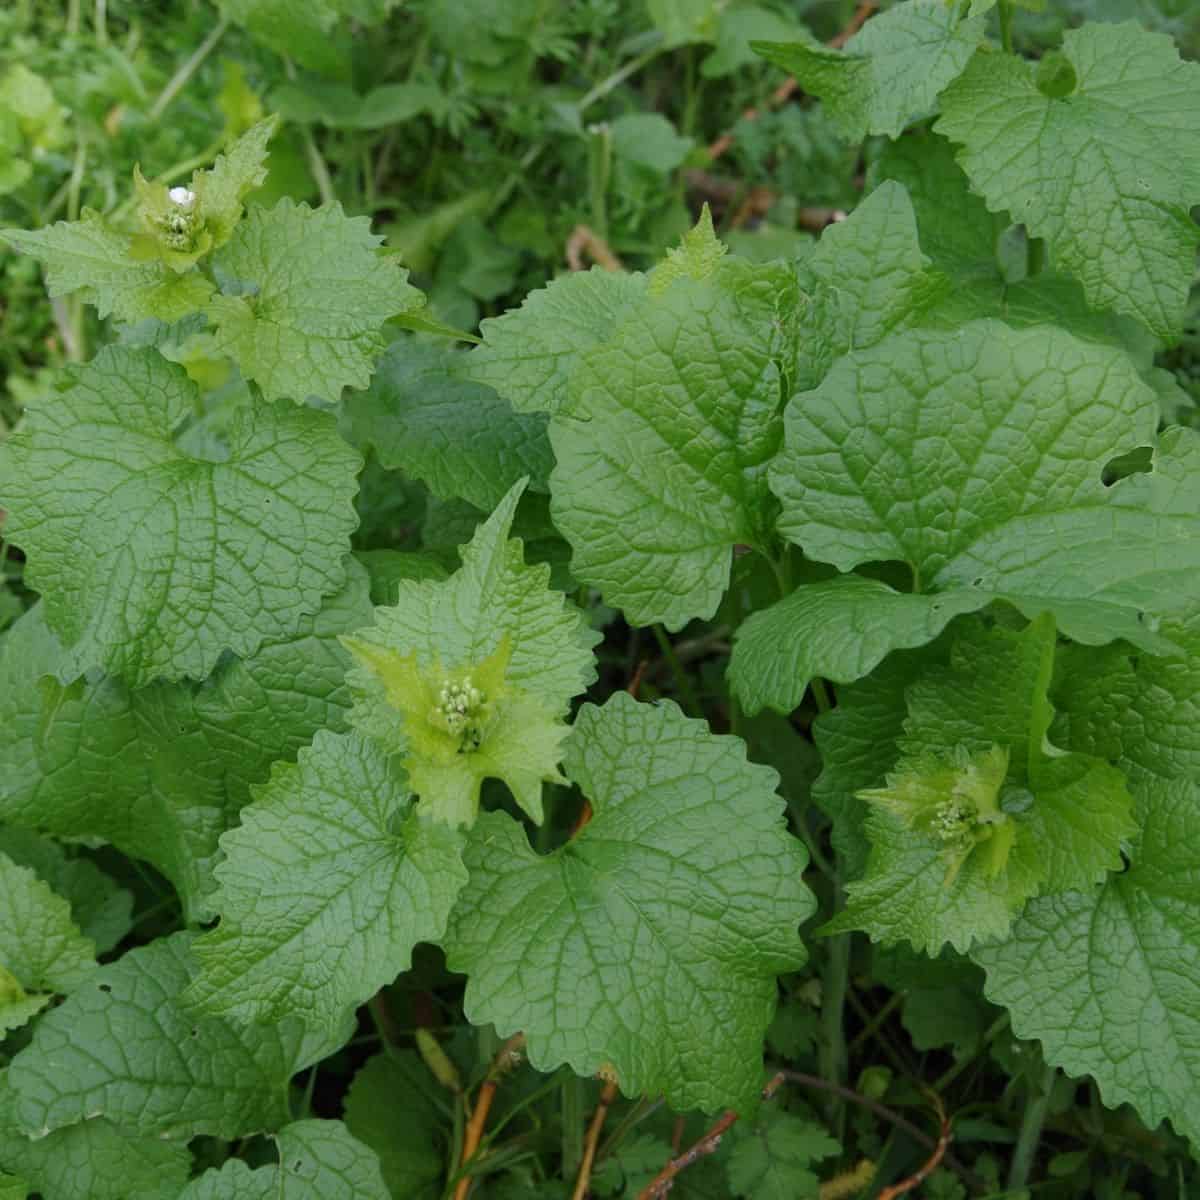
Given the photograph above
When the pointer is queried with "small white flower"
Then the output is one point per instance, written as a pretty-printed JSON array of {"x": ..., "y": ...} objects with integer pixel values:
[{"x": 182, "y": 196}]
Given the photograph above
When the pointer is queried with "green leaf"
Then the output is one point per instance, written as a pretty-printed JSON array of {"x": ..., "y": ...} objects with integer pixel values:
[
  {"x": 12, "y": 1188},
  {"x": 122, "y": 1048},
  {"x": 221, "y": 189},
  {"x": 314, "y": 324},
  {"x": 341, "y": 107},
  {"x": 772, "y": 1160},
  {"x": 662, "y": 455},
  {"x": 459, "y": 438},
  {"x": 650, "y": 141},
  {"x": 174, "y": 762},
  {"x": 696, "y": 257},
  {"x": 152, "y": 560},
  {"x": 317, "y": 1160},
  {"x": 981, "y": 811},
  {"x": 775, "y": 655},
  {"x": 17, "y": 1006},
  {"x": 88, "y": 257},
  {"x": 39, "y": 943},
  {"x": 866, "y": 278},
  {"x": 331, "y": 843},
  {"x": 1107, "y": 174},
  {"x": 528, "y": 354},
  {"x": 594, "y": 950},
  {"x": 1108, "y": 979},
  {"x": 976, "y": 458},
  {"x": 388, "y": 567},
  {"x": 94, "y": 1159},
  {"x": 388, "y": 1109},
  {"x": 890, "y": 72},
  {"x": 469, "y": 679},
  {"x": 99, "y": 907}
]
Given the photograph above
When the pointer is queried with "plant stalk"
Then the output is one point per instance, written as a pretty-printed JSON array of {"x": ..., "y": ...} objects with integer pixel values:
[
  {"x": 187, "y": 69},
  {"x": 1030, "y": 1134}
]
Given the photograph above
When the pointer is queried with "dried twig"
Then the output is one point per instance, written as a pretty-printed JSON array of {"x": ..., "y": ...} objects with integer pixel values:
[
  {"x": 662, "y": 1183},
  {"x": 508, "y": 1057},
  {"x": 585, "y": 239},
  {"x": 607, "y": 1096},
  {"x": 939, "y": 1151}
]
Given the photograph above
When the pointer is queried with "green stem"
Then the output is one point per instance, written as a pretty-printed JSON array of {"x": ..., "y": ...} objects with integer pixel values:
[
  {"x": 187, "y": 69},
  {"x": 599, "y": 170},
  {"x": 574, "y": 1117},
  {"x": 318, "y": 169},
  {"x": 1031, "y": 1131},
  {"x": 100, "y": 23},
  {"x": 1006, "y": 22},
  {"x": 876, "y": 1022},
  {"x": 832, "y": 1057},
  {"x": 617, "y": 78},
  {"x": 683, "y": 685},
  {"x": 820, "y": 694},
  {"x": 948, "y": 1077}
]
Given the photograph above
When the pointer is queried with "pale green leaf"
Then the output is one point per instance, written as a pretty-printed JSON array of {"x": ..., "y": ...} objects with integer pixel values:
[
  {"x": 528, "y": 354},
  {"x": 318, "y": 1160},
  {"x": 39, "y": 942},
  {"x": 95, "y": 1159},
  {"x": 17, "y": 1006},
  {"x": 221, "y": 188},
  {"x": 696, "y": 257},
  {"x": 389, "y": 1109},
  {"x": 87, "y": 256},
  {"x": 1108, "y": 980},
  {"x": 891, "y": 72},
  {"x": 496, "y": 629},
  {"x": 314, "y": 323},
  {"x": 649, "y": 141},
  {"x": 976, "y": 457},
  {"x": 327, "y": 885},
  {"x": 174, "y": 762},
  {"x": 1107, "y": 173},
  {"x": 458, "y": 437},
  {"x": 594, "y": 950},
  {"x": 153, "y": 561},
  {"x": 663, "y": 452},
  {"x": 122, "y": 1048}
]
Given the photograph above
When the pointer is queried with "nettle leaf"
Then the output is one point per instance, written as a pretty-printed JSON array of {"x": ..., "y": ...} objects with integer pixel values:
[
  {"x": 890, "y": 72},
  {"x": 976, "y": 457},
  {"x": 594, "y": 951},
  {"x": 317, "y": 1160},
  {"x": 528, "y": 354},
  {"x": 460, "y": 438},
  {"x": 469, "y": 679},
  {"x": 866, "y": 278},
  {"x": 313, "y": 321},
  {"x": 86, "y": 256},
  {"x": 388, "y": 1108},
  {"x": 95, "y": 1159},
  {"x": 981, "y": 811},
  {"x": 327, "y": 885},
  {"x": 100, "y": 908},
  {"x": 697, "y": 256},
  {"x": 663, "y": 451},
  {"x": 1109, "y": 979},
  {"x": 772, "y": 1160},
  {"x": 160, "y": 772},
  {"x": 1106, "y": 168},
  {"x": 122, "y": 1048},
  {"x": 153, "y": 561},
  {"x": 40, "y": 945}
]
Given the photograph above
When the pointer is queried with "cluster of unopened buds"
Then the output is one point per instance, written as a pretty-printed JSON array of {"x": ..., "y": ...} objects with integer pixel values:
[
  {"x": 459, "y": 705},
  {"x": 951, "y": 821},
  {"x": 179, "y": 225}
]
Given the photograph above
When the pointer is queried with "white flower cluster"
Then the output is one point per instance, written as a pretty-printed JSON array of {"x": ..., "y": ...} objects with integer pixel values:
[
  {"x": 952, "y": 821},
  {"x": 458, "y": 703}
]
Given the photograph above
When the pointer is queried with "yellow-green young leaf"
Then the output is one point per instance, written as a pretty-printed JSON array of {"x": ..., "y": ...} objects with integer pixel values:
[
  {"x": 528, "y": 354},
  {"x": 121, "y": 1047},
  {"x": 318, "y": 1160},
  {"x": 595, "y": 950},
  {"x": 1107, "y": 979},
  {"x": 890, "y": 72},
  {"x": 327, "y": 885},
  {"x": 663, "y": 449},
  {"x": 390, "y": 1107},
  {"x": 976, "y": 457},
  {"x": 696, "y": 257},
  {"x": 312, "y": 319},
  {"x": 174, "y": 762},
  {"x": 153, "y": 560},
  {"x": 95, "y": 1159},
  {"x": 88, "y": 257},
  {"x": 469, "y": 679},
  {"x": 1106, "y": 170},
  {"x": 41, "y": 948},
  {"x": 981, "y": 811}
]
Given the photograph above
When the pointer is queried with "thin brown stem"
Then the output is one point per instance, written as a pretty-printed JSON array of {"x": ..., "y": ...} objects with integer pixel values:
[
  {"x": 508, "y": 1056},
  {"x": 583, "y": 240},
  {"x": 607, "y": 1095},
  {"x": 939, "y": 1152}
]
